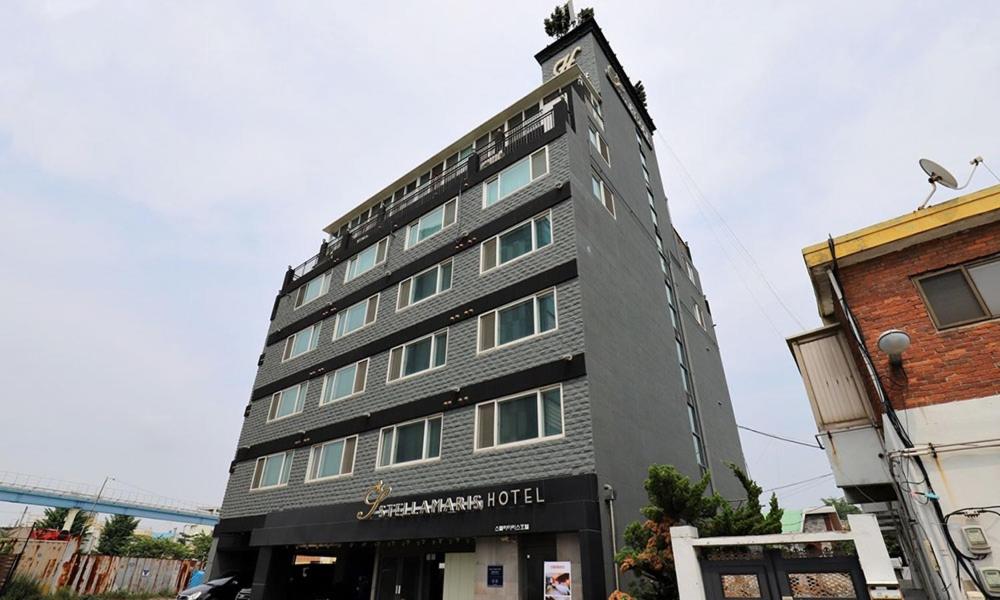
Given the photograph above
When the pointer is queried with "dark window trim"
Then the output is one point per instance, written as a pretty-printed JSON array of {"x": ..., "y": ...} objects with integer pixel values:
[
  {"x": 444, "y": 194},
  {"x": 457, "y": 245},
  {"x": 468, "y": 310},
  {"x": 964, "y": 269},
  {"x": 550, "y": 373}
]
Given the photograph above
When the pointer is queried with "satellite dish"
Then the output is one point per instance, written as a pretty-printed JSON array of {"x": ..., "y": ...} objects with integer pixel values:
[{"x": 938, "y": 174}]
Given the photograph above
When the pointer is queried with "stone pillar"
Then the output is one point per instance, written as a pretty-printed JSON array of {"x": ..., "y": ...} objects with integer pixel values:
[
  {"x": 270, "y": 577},
  {"x": 689, "y": 583}
]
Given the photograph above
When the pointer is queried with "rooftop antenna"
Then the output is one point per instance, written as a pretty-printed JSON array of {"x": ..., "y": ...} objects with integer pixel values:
[
  {"x": 937, "y": 174},
  {"x": 572, "y": 14}
]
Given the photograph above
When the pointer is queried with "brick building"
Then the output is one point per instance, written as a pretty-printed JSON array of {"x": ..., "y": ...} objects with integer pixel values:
[
  {"x": 478, "y": 360},
  {"x": 904, "y": 382}
]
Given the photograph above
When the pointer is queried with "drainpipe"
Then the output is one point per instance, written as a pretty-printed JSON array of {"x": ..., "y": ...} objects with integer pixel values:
[{"x": 609, "y": 497}]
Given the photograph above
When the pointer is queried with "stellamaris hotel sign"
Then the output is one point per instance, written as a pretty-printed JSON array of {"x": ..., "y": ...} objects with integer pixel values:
[{"x": 376, "y": 495}]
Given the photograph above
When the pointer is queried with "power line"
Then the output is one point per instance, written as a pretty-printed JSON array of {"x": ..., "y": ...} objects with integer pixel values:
[
  {"x": 788, "y": 485},
  {"x": 699, "y": 195},
  {"x": 778, "y": 437}
]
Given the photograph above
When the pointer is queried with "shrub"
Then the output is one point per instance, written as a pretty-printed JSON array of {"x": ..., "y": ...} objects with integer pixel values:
[{"x": 22, "y": 588}]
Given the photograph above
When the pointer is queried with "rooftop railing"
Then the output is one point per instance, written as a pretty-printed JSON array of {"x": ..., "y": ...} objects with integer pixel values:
[{"x": 502, "y": 143}]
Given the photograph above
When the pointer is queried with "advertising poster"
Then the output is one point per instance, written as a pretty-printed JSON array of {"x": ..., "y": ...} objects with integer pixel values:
[{"x": 558, "y": 581}]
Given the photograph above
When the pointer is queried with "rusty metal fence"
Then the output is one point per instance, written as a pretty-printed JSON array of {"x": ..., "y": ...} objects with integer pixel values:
[{"x": 59, "y": 564}]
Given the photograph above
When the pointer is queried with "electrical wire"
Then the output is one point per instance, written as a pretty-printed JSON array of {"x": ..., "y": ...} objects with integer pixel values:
[
  {"x": 987, "y": 167},
  {"x": 699, "y": 195},
  {"x": 788, "y": 485},
  {"x": 778, "y": 437}
]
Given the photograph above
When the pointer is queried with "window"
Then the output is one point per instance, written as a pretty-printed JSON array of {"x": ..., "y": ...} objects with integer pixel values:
[
  {"x": 424, "y": 285},
  {"x": 645, "y": 168},
  {"x": 287, "y": 402},
  {"x": 344, "y": 382},
  {"x": 331, "y": 459},
  {"x": 366, "y": 260},
  {"x": 271, "y": 471},
  {"x": 597, "y": 141},
  {"x": 517, "y": 241},
  {"x": 515, "y": 177},
  {"x": 420, "y": 355},
  {"x": 962, "y": 295},
  {"x": 301, "y": 342},
  {"x": 594, "y": 108},
  {"x": 700, "y": 318},
  {"x": 410, "y": 442},
  {"x": 522, "y": 418},
  {"x": 603, "y": 193},
  {"x": 432, "y": 223},
  {"x": 355, "y": 317},
  {"x": 312, "y": 290},
  {"x": 518, "y": 321}
]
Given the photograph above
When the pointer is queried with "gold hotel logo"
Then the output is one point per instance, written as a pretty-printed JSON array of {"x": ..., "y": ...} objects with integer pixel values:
[{"x": 374, "y": 497}]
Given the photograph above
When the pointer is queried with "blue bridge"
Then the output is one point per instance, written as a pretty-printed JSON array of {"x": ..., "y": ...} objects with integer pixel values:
[{"x": 26, "y": 489}]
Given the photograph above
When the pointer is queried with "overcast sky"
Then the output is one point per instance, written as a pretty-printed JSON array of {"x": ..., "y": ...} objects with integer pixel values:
[{"x": 162, "y": 162}]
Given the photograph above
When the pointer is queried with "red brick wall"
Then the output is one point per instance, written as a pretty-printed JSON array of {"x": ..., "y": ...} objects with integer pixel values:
[{"x": 940, "y": 366}]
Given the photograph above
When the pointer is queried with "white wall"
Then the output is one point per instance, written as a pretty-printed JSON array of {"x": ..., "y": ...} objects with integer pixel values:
[{"x": 963, "y": 478}]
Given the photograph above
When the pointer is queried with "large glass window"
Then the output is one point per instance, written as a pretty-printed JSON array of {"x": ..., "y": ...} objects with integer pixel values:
[
  {"x": 423, "y": 354},
  {"x": 517, "y": 321},
  {"x": 312, "y": 290},
  {"x": 516, "y": 242},
  {"x": 331, "y": 459},
  {"x": 272, "y": 471},
  {"x": 301, "y": 342},
  {"x": 432, "y": 223},
  {"x": 366, "y": 260},
  {"x": 603, "y": 193},
  {"x": 355, "y": 317},
  {"x": 525, "y": 417},
  {"x": 424, "y": 285},
  {"x": 288, "y": 402},
  {"x": 410, "y": 442},
  {"x": 963, "y": 295},
  {"x": 515, "y": 177},
  {"x": 344, "y": 382}
]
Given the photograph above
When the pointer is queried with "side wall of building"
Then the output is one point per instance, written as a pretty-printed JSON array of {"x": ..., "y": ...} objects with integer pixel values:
[{"x": 883, "y": 295}]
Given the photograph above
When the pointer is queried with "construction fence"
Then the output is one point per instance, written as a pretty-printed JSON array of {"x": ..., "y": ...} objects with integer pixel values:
[{"x": 56, "y": 564}]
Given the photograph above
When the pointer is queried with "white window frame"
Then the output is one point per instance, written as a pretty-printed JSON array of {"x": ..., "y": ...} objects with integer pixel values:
[
  {"x": 416, "y": 224},
  {"x": 603, "y": 198},
  {"x": 340, "y": 314},
  {"x": 496, "y": 322},
  {"x": 596, "y": 141},
  {"x": 438, "y": 292},
  {"x": 316, "y": 449},
  {"x": 299, "y": 294},
  {"x": 402, "y": 363},
  {"x": 315, "y": 330},
  {"x": 534, "y": 242},
  {"x": 327, "y": 381},
  {"x": 276, "y": 397},
  {"x": 531, "y": 179},
  {"x": 497, "y": 446},
  {"x": 376, "y": 247},
  {"x": 395, "y": 438},
  {"x": 261, "y": 463}
]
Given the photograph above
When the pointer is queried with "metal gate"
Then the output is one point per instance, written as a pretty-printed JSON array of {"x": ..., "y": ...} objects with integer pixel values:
[{"x": 785, "y": 573}]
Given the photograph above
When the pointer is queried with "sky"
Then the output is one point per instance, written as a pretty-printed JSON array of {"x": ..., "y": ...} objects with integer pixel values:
[{"x": 161, "y": 163}]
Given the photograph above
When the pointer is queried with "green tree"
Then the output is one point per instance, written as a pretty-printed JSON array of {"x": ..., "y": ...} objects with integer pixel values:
[
  {"x": 640, "y": 91},
  {"x": 842, "y": 506},
  {"x": 53, "y": 518},
  {"x": 199, "y": 544},
  {"x": 561, "y": 20},
  {"x": 117, "y": 534},
  {"x": 675, "y": 500},
  {"x": 147, "y": 547}
]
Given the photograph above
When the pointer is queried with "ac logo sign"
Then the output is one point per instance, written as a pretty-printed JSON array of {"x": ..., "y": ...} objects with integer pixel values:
[{"x": 566, "y": 61}]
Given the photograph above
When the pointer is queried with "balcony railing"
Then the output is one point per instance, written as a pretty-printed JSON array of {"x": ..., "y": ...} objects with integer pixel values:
[{"x": 503, "y": 143}]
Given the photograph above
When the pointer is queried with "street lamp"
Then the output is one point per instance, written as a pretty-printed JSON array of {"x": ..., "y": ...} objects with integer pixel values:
[{"x": 894, "y": 342}]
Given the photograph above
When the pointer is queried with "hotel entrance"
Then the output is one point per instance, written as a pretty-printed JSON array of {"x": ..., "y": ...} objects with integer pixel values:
[{"x": 423, "y": 571}]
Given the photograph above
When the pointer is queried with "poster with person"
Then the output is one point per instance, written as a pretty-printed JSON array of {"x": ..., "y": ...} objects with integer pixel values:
[{"x": 558, "y": 580}]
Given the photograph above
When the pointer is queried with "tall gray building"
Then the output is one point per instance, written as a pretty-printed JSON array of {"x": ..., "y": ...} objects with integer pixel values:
[{"x": 481, "y": 357}]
